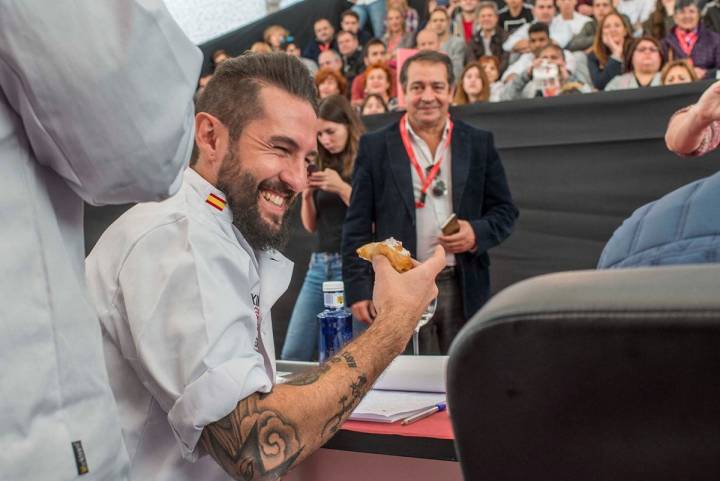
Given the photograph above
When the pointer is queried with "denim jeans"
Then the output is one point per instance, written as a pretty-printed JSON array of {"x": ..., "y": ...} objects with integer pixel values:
[
  {"x": 376, "y": 12},
  {"x": 302, "y": 335}
]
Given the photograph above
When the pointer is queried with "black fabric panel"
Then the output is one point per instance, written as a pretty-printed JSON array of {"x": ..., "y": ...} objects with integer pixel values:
[{"x": 577, "y": 166}]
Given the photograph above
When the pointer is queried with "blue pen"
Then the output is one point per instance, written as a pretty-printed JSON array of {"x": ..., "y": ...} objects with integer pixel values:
[{"x": 423, "y": 414}]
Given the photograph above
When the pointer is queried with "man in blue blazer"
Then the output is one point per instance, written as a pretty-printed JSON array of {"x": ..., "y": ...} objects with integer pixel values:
[{"x": 409, "y": 178}]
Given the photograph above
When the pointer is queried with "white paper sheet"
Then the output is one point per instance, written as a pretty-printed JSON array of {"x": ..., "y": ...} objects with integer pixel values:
[{"x": 391, "y": 406}]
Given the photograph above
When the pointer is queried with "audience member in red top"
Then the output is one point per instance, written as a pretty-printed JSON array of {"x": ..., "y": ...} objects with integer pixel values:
[
  {"x": 330, "y": 82},
  {"x": 464, "y": 20},
  {"x": 379, "y": 80},
  {"x": 374, "y": 52},
  {"x": 693, "y": 41}
]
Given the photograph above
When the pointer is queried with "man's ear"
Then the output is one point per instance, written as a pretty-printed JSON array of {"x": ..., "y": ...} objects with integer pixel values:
[{"x": 211, "y": 138}]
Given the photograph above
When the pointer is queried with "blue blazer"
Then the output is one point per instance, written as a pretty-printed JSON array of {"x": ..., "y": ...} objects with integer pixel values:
[{"x": 383, "y": 195}]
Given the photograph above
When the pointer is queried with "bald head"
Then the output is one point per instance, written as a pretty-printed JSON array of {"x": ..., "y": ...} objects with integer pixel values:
[{"x": 428, "y": 40}]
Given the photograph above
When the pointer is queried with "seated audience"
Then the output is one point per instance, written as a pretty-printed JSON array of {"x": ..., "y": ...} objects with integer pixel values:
[
  {"x": 464, "y": 20},
  {"x": 689, "y": 39},
  {"x": 427, "y": 40},
  {"x": 543, "y": 12},
  {"x": 330, "y": 59},
  {"x": 711, "y": 15},
  {"x": 330, "y": 82},
  {"x": 585, "y": 7},
  {"x": 373, "y": 104},
  {"x": 642, "y": 64},
  {"x": 291, "y": 48},
  {"x": 453, "y": 46},
  {"x": 489, "y": 38},
  {"x": 661, "y": 21},
  {"x": 567, "y": 14},
  {"x": 350, "y": 22},
  {"x": 472, "y": 85},
  {"x": 373, "y": 10},
  {"x": 491, "y": 66},
  {"x": 583, "y": 41},
  {"x": 411, "y": 16},
  {"x": 351, "y": 53},
  {"x": 324, "y": 39},
  {"x": 379, "y": 80},
  {"x": 605, "y": 61},
  {"x": 395, "y": 34},
  {"x": 373, "y": 53},
  {"x": 514, "y": 15},
  {"x": 677, "y": 72},
  {"x": 260, "y": 47},
  {"x": 556, "y": 78},
  {"x": 538, "y": 38},
  {"x": 322, "y": 210},
  {"x": 218, "y": 57},
  {"x": 274, "y": 36}
]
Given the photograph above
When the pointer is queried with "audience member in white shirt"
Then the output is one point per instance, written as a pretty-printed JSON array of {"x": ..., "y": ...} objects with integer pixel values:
[
  {"x": 576, "y": 21},
  {"x": 539, "y": 38},
  {"x": 637, "y": 11},
  {"x": 543, "y": 11}
]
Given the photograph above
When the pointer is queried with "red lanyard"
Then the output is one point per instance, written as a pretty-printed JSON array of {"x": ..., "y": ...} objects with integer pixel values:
[{"x": 424, "y": 181}]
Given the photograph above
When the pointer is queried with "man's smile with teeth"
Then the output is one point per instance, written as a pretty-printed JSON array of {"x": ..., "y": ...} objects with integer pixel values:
[{"x": 273, "y": 198}]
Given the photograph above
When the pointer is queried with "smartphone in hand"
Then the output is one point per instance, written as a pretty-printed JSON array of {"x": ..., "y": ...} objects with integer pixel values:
[{"x": 451, "y": 225}]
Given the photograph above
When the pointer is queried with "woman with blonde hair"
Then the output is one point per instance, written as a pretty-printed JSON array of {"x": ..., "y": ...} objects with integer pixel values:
[
  {"x": 274, "y": 36},
  {"x": 396, "y": 36},
  {"x": 606, "y": 59},
  {"x": 678, "y": 72},
  {"x": 323, "y": 208},
  {"x": 473, "y": 85}
]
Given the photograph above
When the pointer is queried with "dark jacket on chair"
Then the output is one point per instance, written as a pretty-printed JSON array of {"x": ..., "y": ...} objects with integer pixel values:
[{"x": 383, "y": 195}]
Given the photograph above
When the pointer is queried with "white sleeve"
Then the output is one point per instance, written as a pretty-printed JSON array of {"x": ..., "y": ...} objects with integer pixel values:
[
  {"x": 560, "y": 32},
  {"x": 192, "y": 327},
  {"x": 515, "y": 37},
  {"x": 104, "y": 92}
]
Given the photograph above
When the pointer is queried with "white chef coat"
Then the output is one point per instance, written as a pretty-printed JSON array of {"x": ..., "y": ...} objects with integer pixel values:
[
  {"x": 96, "y": 106},
  {"x": 176, "y": 287}
]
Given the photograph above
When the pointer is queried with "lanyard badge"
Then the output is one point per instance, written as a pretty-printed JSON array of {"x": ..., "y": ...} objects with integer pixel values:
[{"x": 429, "y": 175}]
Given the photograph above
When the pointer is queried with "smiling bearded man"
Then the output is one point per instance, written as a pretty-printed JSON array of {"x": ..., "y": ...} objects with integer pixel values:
[{"x": 184, "y": 287}]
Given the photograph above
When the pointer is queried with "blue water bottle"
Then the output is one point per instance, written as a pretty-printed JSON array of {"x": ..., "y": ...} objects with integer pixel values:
[{"x": 335, "y": 321}]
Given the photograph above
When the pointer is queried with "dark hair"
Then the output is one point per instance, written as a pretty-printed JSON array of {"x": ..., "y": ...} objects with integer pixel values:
[
  {"x": 349, "y": 13},
  {"x": 629, "y": 67},
  {"x": 322, "y": 19},
  {"x": 372, "y": 42},
  {"x": 233, "y": 94},
  {"x": 680, "y": 4},
  {"x": 428, "y": 56},
  {"x": 538, "y": 27},
  {"x": 336, "y": 108},
  {"x": 345, "y": 32},
  {"x": 376, "y": 97}
]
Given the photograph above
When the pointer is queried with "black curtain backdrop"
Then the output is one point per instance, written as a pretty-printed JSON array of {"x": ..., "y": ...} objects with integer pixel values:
[{"x": 577, "y": 166}]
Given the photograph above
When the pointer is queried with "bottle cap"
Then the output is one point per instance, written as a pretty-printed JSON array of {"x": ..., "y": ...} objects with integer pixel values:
[{"x": 331, "y": 286}]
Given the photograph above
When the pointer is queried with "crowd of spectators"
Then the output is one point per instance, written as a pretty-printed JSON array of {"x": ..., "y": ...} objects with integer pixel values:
[{"x": 508, "y": 49}]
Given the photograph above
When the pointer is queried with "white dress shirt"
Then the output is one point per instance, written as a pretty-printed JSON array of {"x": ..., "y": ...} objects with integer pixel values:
[
  {"x": 184, "y": 304},
  {"x": 560, "y": 33},
  {"x": 524, "y": 62},
  {"x": 95, "y": 106},
  {"x": 430, "y": 218},
  {"x": 576, "y": 23}
]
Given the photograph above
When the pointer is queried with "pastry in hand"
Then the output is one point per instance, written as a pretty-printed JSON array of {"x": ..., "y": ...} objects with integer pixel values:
[{"x": 398, "y": 256}]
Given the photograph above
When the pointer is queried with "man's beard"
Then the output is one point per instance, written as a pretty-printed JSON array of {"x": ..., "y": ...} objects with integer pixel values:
[{"x": 243, "y": 194}]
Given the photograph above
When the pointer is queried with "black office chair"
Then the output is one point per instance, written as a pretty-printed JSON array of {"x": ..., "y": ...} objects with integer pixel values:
[{"x": 592, "y": 375}]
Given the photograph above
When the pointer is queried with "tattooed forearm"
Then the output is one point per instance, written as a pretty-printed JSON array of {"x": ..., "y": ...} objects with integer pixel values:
[
  {"x": 347, "y": 404},
  {"x": 307, "y": 377},
  {"x": 252, "y": 443}
]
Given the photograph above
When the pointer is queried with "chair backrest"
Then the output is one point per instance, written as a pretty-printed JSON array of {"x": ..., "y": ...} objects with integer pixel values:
[{"x": 592, "y": 375}]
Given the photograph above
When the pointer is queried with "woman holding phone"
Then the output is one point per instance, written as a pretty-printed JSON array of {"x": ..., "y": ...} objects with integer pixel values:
[{"x": 323, "y": 208}]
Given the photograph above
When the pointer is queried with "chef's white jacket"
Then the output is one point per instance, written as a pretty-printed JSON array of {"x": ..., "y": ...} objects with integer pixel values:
[
  {"x": 96, "y": 106},
  {"x": 184, "y": 303}
]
